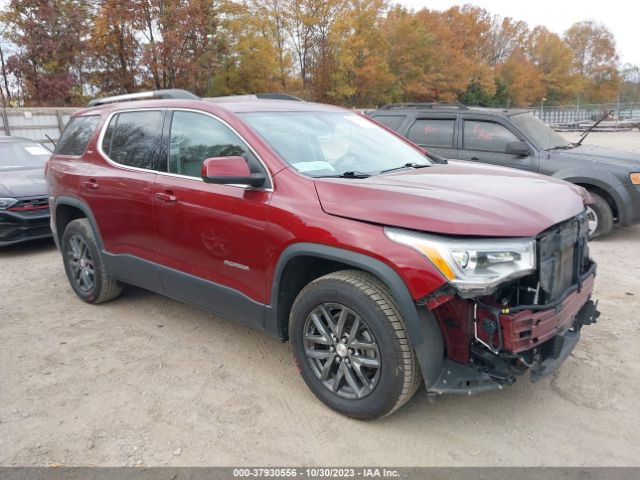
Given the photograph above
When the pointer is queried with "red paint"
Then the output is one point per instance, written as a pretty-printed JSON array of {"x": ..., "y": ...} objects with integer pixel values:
[
  {"x": 225, "y": 167},
  {"x": 193, "y": 226},
  {"x": 28, "y": 207}
]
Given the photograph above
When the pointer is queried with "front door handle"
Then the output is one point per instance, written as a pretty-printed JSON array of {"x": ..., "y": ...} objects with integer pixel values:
[
  {"x": 90, "y": 184},
  {"x": 475, "y": 158},
  {"x": 166, "y": 197}
]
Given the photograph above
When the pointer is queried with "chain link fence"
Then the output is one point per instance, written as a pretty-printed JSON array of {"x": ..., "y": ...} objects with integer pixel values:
[{"x": 622, "y": 116}]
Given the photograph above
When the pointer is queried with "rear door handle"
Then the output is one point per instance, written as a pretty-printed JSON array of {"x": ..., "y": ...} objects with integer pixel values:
[
  {"x": 90, "y": 184},
  {"x": 166, "y": 197},
  {"x": 475, "y": 158}
]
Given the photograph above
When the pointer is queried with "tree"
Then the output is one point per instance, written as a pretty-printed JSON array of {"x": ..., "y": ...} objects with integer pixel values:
[
  {"x": 522, "y": 81},
  {"x": 114, "y": 47},
  {"x": 506, "y": 36},
  {"x": 275, "y": 18},
  {"x": 554, "y": 60},
  {"x": 595, "y": 60},
  {"x": 630, "y": 90},
  {"x": 425, "y": 56},
  {"x": 250, "y": 62},
  {"x": 362, "y": 76},
  {"x": 182, "y": 43},
  {"x": 50, "y": 39}
]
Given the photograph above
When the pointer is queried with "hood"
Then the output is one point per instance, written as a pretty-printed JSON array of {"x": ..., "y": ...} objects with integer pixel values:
[
  {"x": 460, "y": 198},
  {"x": 601, "y": 155},
  {"x": 23, "y": 183}
]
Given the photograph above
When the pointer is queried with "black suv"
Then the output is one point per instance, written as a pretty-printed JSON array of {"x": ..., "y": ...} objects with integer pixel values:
[{"x": 517, "y": 139}]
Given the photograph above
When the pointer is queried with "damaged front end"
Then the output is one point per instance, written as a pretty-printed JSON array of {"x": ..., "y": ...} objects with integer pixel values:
[{"x": 528, "y": 323}]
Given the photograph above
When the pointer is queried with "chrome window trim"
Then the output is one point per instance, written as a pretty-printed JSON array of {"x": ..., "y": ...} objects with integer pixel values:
[
  {"x": 104, "y": 130},
  {"x": 187, "y": 177}
]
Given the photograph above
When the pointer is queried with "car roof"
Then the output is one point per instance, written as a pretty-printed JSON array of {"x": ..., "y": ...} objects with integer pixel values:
[
  {"x": 232, "y": 105},
  {"x": 263, "y": 105},
  {"x": 10, "y": 139},
  {"x": 444, "y": 108}
]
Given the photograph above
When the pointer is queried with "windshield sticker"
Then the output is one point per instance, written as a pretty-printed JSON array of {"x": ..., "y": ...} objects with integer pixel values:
[
  {"x": 361, "y": 122},
  {"x": 313, "y": 166},
  {"x": 37, "y": 150}
]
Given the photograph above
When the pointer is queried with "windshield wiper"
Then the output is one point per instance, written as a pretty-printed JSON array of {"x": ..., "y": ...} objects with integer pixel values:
[
  {"x": 406, "y": 165},
  {"x": 347, "y": 174},
  {"x": 590, "y": 129},
  {"x": 562, "y": 147}
]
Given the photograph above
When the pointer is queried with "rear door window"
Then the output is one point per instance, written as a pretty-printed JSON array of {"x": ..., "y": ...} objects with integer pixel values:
[
  {"x": 486, "y": 136},
  {"x": 76, "y": 135},
  {"x": 432, "y": 132},
  {"x": 133, "y": 138},
  {"x": 390, "y": 121}
]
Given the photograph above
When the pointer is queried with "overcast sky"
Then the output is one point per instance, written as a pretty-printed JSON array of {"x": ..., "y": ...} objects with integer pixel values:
[{"x": 621, "y": 17}]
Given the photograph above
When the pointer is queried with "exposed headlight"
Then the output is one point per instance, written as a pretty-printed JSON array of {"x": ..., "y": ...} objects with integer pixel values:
[
  {"x": 474, "y": 266},
  {"x": 7, "y": 202}
]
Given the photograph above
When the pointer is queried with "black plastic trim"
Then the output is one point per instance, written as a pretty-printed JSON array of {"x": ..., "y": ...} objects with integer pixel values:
[
  {"x": 358, "y": 260},
  {"x": 84, "y": 208},
  {"x": 210, "y": 296}
]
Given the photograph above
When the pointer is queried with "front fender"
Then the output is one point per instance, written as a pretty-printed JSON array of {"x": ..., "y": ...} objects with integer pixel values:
[
  {"x": 422, "y": 328},
  {"x": 602, "y": 180}
]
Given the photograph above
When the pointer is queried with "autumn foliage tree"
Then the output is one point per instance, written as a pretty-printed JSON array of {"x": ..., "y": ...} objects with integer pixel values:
[
  {"x": 359, "y": 53},
  {"x": 594, "y": 60},
  {"x": 50, "y": 48}
]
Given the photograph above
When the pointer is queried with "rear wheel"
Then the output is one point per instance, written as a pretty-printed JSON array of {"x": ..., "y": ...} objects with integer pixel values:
[
  {"x": 599, "y": 216},
  {"x": 83, "y": 264},
  {"x": 350, "y": 344}
]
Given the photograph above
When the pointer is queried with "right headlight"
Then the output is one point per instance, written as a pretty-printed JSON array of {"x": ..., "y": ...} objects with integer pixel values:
[
  {"x": 474, "y": 266},
  {"x": 7, "y": 203}
]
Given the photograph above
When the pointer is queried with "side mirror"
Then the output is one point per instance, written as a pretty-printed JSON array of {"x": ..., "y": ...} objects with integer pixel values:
[
  {"x": 518, "y": 148},
  {"x": 230, "y": 170}
]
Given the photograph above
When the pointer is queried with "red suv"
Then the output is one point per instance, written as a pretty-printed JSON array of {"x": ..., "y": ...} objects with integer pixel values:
[{"x": 383, "y": 265}]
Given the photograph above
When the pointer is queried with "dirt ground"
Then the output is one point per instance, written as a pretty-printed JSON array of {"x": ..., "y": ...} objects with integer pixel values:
[{"x": 148, "y": 381}]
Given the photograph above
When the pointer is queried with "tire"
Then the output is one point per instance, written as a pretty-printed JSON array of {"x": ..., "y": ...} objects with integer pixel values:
[
  {"x": 80, "y": 253},
  {"x": 364, "y": 391},
  {"x": 600, "y": 213}
]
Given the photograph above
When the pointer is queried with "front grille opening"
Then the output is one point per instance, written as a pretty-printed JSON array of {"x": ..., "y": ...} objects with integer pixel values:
[
  {"x": 30, "y": 204},
  {"x": 562, "y": 259}
]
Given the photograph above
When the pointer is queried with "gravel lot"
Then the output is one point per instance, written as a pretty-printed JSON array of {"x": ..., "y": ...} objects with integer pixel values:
[{"x": 148, "y": 381}]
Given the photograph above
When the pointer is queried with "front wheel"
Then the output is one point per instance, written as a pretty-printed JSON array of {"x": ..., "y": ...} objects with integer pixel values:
[
  {"x": 350, "y": 344},
  {"x": 599, "y": 216}
]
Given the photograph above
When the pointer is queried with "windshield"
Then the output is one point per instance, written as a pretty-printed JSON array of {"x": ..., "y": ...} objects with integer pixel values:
[
  {"x": 539, "y": 132},
  {"x": 21, "y": 155},
  {"x": 320, "y": 144}
]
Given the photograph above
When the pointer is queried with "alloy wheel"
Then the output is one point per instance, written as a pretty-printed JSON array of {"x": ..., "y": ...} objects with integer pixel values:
[
  {"x": 81, "y": 263},
  {"x": 342, "y": 350},
  {"x": 592, "y": 219}
]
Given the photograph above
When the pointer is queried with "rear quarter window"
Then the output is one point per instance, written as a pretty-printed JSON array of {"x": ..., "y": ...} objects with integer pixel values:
[
  {"x": 76, "y": 135},
  {"x": 390, "y": 121},
  {"x": 133, "y": 138}
]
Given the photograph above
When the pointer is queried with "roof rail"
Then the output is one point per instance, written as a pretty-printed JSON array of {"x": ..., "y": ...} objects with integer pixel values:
[
  {"x": 392, "y": 106},
  {"x": 256, "y": 96},
  {"x": 174, "y": 93},
  {"x": 278, "y": 96}
]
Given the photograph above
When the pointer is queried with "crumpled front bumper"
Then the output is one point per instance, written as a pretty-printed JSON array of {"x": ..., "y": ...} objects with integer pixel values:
[{"x": 534, "y": 341}]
